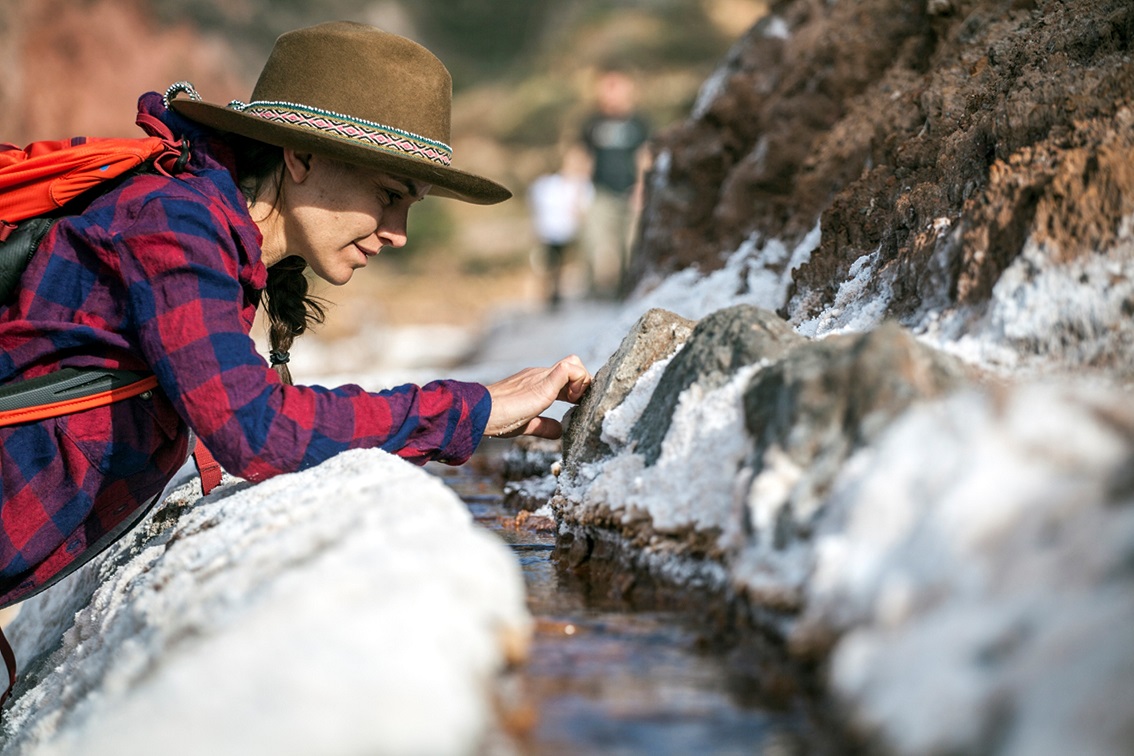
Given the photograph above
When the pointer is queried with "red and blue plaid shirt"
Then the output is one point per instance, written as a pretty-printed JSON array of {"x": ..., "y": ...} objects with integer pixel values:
[{"x": 164, "y": 275}]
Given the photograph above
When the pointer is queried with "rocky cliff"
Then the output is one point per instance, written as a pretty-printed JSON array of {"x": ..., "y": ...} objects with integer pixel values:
[{"x": 936, "y": 143}]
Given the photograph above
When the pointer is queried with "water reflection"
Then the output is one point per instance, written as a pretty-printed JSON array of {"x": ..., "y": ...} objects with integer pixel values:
[{"x": 610, "y": 676}]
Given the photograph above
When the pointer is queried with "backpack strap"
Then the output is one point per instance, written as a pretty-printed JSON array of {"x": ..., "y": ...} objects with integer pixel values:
[
  {"x": 10, "y": 663},
  {"x": 207, "y": 467},
  {"x": 69, "y": 390},
  {"x": 77, "y": 389},
  {"x": 17, "y": 245},
  {"x": 176, "y": 153}
]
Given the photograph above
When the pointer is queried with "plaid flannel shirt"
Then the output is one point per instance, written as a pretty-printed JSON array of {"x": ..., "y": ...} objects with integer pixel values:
[{"x": 164, "y": 275}]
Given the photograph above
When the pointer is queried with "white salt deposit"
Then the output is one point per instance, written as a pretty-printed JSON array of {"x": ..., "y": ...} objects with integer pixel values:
[
  {"x": 751, "y": 275},
  {"x": 860, "y": 303},
  {"x": 350, "y": 608},
  {"x": 979, "y": 554},
  {"x": 777, "y": 28}
]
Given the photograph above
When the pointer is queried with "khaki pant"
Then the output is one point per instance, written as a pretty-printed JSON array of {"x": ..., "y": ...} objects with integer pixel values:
[{"x": 606, "y": 243}]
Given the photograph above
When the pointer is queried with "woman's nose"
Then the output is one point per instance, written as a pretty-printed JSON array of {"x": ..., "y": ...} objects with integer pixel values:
[{"x": 392, "y": 230}]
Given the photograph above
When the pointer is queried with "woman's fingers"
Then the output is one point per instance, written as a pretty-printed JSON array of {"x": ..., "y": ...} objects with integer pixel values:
[
  {"x": 578, "y": 379},
  {"x": 518, "y": 400},
  {"x": 541, "y": 427}
]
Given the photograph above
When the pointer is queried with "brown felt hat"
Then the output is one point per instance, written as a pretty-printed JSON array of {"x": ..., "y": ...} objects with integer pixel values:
[{"x": 357, "y": 94}]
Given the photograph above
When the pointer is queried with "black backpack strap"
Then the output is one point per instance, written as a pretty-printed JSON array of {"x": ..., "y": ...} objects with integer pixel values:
[
  {"x": 16, "y": 251},
  {"x": 71, "y": 384},
  {"x": 10, "y": 662}
]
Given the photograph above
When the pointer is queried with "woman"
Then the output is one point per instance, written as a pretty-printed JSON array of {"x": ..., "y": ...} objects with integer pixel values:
[{"x": 347, "y": 128}]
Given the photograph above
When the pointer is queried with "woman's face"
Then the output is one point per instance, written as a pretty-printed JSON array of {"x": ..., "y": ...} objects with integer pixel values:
[{"x": 337, "y": 216}]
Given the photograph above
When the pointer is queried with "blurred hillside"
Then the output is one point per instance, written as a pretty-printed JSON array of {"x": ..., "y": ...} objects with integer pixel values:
[{"x": 522, "y": 77}]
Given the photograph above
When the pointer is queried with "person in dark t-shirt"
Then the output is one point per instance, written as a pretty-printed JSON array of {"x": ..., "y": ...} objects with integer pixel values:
[{"x": 615, "y": 135}]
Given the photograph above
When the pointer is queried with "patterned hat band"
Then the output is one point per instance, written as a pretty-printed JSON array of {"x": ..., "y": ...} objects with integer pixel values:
[
  {"x": 351, "y": 129},
  {"x": 333, "y": 124}
]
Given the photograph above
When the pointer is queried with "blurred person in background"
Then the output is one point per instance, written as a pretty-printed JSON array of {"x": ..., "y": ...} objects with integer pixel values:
[
  {"x": 347, "y": 128},
  {"x": 559, "y": 202},
  {"x": 615, "y": 136}
]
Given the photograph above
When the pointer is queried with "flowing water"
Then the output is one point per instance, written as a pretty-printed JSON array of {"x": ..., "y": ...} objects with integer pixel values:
[{"x": 610, "y": 675}]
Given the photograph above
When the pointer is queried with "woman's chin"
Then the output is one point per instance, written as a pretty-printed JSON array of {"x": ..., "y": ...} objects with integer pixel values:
[{"x": 335, "y": 277}]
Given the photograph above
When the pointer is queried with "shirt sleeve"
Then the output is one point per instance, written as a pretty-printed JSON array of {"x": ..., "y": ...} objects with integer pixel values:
[{"x": 181, "y": 261}]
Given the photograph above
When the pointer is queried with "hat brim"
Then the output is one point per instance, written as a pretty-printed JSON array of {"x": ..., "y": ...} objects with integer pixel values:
[{"x": 446, "y": 181}]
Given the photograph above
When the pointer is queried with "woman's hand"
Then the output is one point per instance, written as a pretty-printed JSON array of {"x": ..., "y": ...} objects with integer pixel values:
[{"x": 518, "y": 401}]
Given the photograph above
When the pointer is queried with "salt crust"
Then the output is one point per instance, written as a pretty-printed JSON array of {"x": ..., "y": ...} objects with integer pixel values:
[
  {"x": 350, "y": 608},
  {"x": 972, "y": 552}
]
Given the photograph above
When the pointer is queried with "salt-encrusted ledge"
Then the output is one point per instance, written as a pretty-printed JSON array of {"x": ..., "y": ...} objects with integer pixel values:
[{"x": 351, "y": 608}]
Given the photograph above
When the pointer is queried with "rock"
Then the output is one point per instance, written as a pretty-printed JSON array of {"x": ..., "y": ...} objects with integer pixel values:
[
  {"x": 721, "y": 344},
  {"x": 763, "y": 427},
  {"x": 825, "y": 399},
  {"x": 656, "y": 335},
  {"x": 937, "y": 140},
  {"x": 530, "y": 457}
]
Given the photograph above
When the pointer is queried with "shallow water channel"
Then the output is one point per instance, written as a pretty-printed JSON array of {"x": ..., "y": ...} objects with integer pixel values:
[{"x": 613, "y": 675}]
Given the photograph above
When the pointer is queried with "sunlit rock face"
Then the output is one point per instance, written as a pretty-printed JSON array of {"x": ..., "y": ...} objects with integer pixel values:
[{"x": 962, "y": 157}]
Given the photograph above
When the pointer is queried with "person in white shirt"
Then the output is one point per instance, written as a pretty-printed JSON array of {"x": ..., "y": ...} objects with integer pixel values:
[{"x": 558, "y": 203}]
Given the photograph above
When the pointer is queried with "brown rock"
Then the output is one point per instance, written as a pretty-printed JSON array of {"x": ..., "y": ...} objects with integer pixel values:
[
  {"x": 655, "y": 336},
  {"x": 900, "y": 123}
]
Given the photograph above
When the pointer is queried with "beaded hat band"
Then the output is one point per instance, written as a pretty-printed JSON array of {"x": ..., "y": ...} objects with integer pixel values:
[{"x": 345, "y": 127}]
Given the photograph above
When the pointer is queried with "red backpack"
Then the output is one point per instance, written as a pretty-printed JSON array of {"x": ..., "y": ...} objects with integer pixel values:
[
  {"x": 43, "y": 177},
  {"x": 37, "y": 183}
]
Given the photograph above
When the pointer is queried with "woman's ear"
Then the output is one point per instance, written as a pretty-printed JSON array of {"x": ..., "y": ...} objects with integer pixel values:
[{"x": 297, "y": 164}]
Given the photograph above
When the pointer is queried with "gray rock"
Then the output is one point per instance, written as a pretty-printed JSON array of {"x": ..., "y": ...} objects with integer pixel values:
[
  {"x": 656, "y": 335},
  {"x": 827, "y": 398},
  {"x": 721, "y": 344}
]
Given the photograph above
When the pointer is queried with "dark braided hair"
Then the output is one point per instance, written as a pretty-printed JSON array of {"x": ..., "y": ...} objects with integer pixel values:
[{"x": 290, "y": 310}]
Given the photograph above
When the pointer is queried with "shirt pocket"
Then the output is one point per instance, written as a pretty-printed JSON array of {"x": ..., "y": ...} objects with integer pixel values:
[{"x": 123, "y": 438}]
